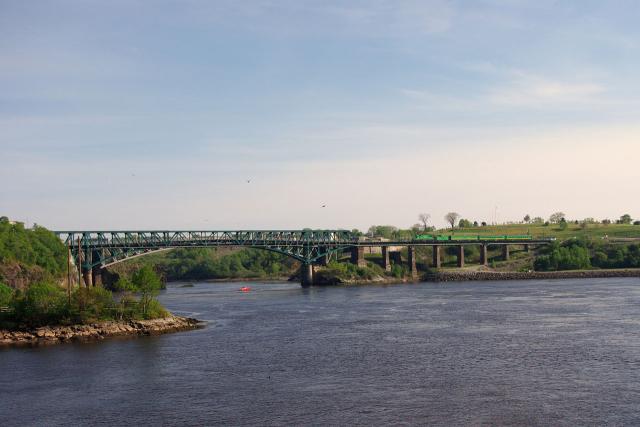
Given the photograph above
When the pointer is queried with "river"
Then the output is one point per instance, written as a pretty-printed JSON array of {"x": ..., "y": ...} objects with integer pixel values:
[{"x": 477, "y": 353}]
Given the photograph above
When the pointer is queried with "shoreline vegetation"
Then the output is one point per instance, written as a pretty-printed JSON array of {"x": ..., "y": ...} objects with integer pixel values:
[
  {"x": 34, "y": 293},
  {"x": 39, "y": 304}
]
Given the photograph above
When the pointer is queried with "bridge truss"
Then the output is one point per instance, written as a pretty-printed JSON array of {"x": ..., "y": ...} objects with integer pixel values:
[{"x": 103, "y": 248}]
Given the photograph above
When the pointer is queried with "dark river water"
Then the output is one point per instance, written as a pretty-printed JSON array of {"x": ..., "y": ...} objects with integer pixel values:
[{"x": 484, "y": 353}]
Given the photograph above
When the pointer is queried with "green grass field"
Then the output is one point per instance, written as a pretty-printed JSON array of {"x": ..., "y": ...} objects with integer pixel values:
[{"x": 596, "y": 231}]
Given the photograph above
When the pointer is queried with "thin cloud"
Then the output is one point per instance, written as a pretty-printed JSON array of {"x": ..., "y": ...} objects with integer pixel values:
[{"x": 531, "y": 90}]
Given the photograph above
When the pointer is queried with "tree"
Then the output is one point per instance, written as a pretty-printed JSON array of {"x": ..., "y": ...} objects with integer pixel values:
[
  {"x": 424, "y": 219},
  {"x": 386, "y": 231},
  {"x": 6, "y": 293},
  {"x": 527, "y": 218},
  {"x": 148, "y": 283},
  {"x": 563, "y": 224},
  {"x": 625, "y": 219},
  {"x": 451, "y": 218},
  {"x": 538, "y": 220},
  {"x": 464, "y": 223},
  {"x": 483, "y": 223},
  {"x": 556, "y": 217}
]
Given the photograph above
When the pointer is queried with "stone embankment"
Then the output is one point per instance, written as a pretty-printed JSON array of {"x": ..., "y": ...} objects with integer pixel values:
[
  {"x": 458, "y": 276},
  {"x": 97, "y": 331}
]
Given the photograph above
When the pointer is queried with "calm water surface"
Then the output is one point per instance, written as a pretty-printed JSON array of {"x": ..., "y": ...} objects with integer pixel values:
[{"x": 535, "y": 352}]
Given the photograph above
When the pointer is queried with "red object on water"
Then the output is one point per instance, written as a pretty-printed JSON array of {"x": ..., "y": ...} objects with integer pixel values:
[{"x": 245, "y": 289}]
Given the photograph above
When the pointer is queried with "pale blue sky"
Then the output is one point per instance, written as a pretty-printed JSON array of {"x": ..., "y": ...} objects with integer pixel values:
[{"x": 154, "y": 114}]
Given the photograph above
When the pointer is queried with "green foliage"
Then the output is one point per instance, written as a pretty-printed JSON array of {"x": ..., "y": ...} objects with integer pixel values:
[
  {"x": 146, "y": 280},
  {"x": 41, "y": 304},
  {"x": 398, "y": 271},
  {"x": 203, "y": 264},
  {"x": 91, "y": 305},
  {"x": 154, "y": 310},
  {"x": 123, "y": 284},
  {"x": 625, "y": 219},
  {"x": 48, "y": 304},
  {"x": 583, "y": 253},
  {"x": 465, "y": 223},
  {"x": 617, "y": 256},
  {"x": 572, "y": 258},
  {"x": 386, "y": 231},
  {"x": 32, "y": 247},
  {"x": 6, "y": 295},
  {"x": 148, "y": 284},
  {"x": 348, "y": 271}
]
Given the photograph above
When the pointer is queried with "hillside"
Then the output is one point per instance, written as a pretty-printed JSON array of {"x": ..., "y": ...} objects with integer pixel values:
[
  {"x": 30, "y": 255},
  {"x": 596, "y": 231}
]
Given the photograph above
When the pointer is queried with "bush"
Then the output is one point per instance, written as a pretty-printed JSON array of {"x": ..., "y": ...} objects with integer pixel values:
[
  {"x": 6, "y": 295},
  {"x": 91, "y": 305},
  {"x": 153, "y": 310},
  {"x": 571, "y": 256},
  {"x": 41, "y": 304}
]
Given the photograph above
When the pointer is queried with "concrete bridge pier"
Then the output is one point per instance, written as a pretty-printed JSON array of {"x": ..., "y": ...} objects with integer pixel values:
[
  {"x": 87, "y": 277},
  {"x": 412, "y": 261},
  {"x": 484, "y": 259},
  {"x": 306, "y": 275},
  {"x": 386, "y": 261},
  {"x": 505, "y": 252},
  {"x": 325, "y": 260},
  {"x": 460, "y": 256},
  {"x": 437, "y": 259},
  {"x": 96, "y": 272},
  {"x": 357, "y": 256}
]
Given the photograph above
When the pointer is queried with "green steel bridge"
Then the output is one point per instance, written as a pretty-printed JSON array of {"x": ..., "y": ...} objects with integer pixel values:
[{"x": 94, "y": 250}]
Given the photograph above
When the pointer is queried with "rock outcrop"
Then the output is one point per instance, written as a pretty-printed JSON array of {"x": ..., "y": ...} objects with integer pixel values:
[{"x": 97, "y": 331}]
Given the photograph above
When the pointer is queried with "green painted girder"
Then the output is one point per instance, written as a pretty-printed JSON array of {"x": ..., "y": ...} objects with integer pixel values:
[{"x": 101, "y": 248}]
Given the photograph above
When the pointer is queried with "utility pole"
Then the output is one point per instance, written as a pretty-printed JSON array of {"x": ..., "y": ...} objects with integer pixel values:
[
  {"x": 79, "y": 264},
  {"x": 69, "y": 273}
]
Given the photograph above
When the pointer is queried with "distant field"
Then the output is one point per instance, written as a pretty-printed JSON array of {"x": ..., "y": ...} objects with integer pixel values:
[{"x": 553, "y": 230}]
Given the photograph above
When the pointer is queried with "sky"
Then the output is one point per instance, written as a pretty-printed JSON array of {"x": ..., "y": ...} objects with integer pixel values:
[{"x": 256, "y": 114}]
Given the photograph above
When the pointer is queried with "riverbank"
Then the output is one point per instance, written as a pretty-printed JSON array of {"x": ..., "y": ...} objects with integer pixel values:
[
  {"x": 97, "y": 331},
  {"x": 459, "y": 276}
]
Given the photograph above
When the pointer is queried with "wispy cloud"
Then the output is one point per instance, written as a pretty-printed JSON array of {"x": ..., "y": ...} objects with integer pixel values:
[{"x": 528, "y": 90}]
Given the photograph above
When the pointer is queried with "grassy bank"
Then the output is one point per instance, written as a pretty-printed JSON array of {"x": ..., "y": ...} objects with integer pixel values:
[{"x": 572, "y": 230}]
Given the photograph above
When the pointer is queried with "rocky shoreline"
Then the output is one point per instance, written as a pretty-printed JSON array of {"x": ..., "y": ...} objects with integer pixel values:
[
  {"x": 460, "y": 276},
  {"x": 97, "y": 331}
]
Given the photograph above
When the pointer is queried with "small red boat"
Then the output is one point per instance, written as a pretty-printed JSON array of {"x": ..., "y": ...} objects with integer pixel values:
[{"x": 245, "y": 289}]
